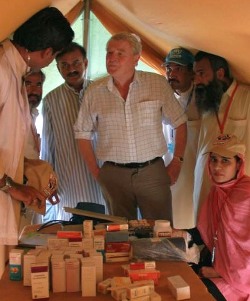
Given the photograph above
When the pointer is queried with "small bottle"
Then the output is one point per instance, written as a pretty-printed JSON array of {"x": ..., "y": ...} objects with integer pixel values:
[
  {"x": 16, "y": 264},
  {"x": 162, "y": 228}
]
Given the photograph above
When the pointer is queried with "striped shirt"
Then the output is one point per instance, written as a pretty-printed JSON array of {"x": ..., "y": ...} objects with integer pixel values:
[
  {"x": 131, "y": 130},
  {"x": 76, "y": 184}
]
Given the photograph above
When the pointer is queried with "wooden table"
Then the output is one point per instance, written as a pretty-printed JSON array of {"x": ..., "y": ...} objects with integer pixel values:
[{"x": 14, "y": 290}]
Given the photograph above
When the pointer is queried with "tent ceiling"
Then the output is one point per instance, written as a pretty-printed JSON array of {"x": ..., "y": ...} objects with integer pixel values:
[
  {"x": 218, "y": 26},
  {"x": 221, "y": 27},
  {"x": 70, "y": 8},
  {"x": 13, "y": 13}
]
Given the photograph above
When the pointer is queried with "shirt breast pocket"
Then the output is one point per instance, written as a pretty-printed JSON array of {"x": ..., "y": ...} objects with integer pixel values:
[
  {"x": 149, "y": 112},
  {"x": 236, "y": 127}
]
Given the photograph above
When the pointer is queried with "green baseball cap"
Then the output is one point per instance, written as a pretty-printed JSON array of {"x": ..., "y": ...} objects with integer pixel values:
[{"x": 180, "y": 56}]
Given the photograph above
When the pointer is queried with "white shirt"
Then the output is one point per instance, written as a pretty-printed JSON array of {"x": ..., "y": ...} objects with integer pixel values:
[
  {"x": 14, "y": 124},
  {"x": 32, "y": 145},
  {"x": 237, "y": 123},
  {"x": 131, "y": 130},
  {"x": 182, "y": 190}
]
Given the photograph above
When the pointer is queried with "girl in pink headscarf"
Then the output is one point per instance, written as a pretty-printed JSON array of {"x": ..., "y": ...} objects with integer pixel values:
[{"x": 224, "y": 220}]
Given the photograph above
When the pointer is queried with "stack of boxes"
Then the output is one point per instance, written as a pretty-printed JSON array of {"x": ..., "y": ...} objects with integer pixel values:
[
  {"x": 123, "y": 289},
  {"x": 145, "y": 270},
  {"x": 73, "y": 262},
  {"x": 117, "y": 244}
]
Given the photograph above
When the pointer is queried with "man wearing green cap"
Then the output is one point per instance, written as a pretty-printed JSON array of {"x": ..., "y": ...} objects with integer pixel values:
[{"x": 179, "y": 73}]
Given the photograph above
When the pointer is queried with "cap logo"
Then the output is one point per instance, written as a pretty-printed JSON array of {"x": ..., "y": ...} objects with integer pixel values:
[
  {"x": 176, "y": 53},
  {"x": 222, "y": 139},
  {"x": 226, "y": 145}
]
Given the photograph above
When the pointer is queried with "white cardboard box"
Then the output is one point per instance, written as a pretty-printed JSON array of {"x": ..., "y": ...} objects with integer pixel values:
[
  {"x": 58, "y": 275},
  {"x": 39, "y": 281},
  {"x": 72, "y": 274},
  {"x": 16, "y": 264},
  {"x": 88, "y": 272},
  {"x": 179, "y": 288}
]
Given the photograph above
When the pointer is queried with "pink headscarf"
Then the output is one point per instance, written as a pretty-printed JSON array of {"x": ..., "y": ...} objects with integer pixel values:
[{"x": 227, "y": 212}]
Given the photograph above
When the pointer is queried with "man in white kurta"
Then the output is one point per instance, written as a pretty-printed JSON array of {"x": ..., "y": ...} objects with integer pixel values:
[
  {"x": 28, "y": 48},
  {"x": 237, "y": 122},
  {"x": 14, "y": 125},
  {"x": 179, "y": 71}
]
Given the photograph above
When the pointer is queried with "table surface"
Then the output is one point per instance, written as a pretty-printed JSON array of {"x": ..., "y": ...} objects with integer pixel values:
[{"x": 14, "y": 290}]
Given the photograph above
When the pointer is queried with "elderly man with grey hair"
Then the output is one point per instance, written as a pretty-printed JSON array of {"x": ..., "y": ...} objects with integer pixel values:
[{"x": 126, "y": 110}]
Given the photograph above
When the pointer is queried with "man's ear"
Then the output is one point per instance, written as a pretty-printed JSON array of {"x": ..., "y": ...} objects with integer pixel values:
[
  {"x": 220, "y": 73},
  {"x": 136, "y": 59},
  {"x": 86, "y": 63},
  {"x": 47, "y": 52}
]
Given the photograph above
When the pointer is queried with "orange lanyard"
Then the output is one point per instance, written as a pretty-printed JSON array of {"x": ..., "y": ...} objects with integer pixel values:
[{"x": 222, "y": 125}]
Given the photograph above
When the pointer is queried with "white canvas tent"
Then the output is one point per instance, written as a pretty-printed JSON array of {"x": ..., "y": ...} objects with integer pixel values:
[
  {"x": 218, "y": 26},
  {"x": 221, "y": 27}
]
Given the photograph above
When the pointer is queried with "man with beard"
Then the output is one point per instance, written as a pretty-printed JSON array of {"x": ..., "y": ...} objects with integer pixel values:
[
  {"x": 225, "y": 108},
  {"x": 180, "y": 75},
  {"x": 34, "y": 87},
  {"x": 60, "y": 110}
]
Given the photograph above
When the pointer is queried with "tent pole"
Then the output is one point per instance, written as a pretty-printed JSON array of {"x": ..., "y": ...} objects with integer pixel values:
[{"x": 86, "y": 24}]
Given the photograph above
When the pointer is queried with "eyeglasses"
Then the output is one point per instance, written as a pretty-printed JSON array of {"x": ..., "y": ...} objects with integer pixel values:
[{"x": 65, "y": 66}]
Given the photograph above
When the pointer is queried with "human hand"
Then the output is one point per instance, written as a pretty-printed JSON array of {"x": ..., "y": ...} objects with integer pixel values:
[
  {"x": 208, "y": 272},
  {"x": 28, "y": 195},
  {"x": 173, "y": 170}
]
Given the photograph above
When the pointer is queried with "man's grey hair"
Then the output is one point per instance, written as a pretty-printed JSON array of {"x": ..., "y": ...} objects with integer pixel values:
[{"x": 133, "y": 39}]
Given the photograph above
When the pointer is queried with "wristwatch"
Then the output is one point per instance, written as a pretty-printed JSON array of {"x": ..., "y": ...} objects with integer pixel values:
[
  {"x": 181, "y": 159},
  {"x": 8, "y": 183}
]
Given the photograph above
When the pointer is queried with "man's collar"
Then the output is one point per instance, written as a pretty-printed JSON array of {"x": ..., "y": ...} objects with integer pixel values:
[
  {"x": 110, "y": 81},
  {"x": 15, "y": 59},
  {"x": 231, "y": 88},
  {"x": 34, "y": 112},
  {"x": 71, "y": 88},
  {"x": 187, "y": 92}
]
